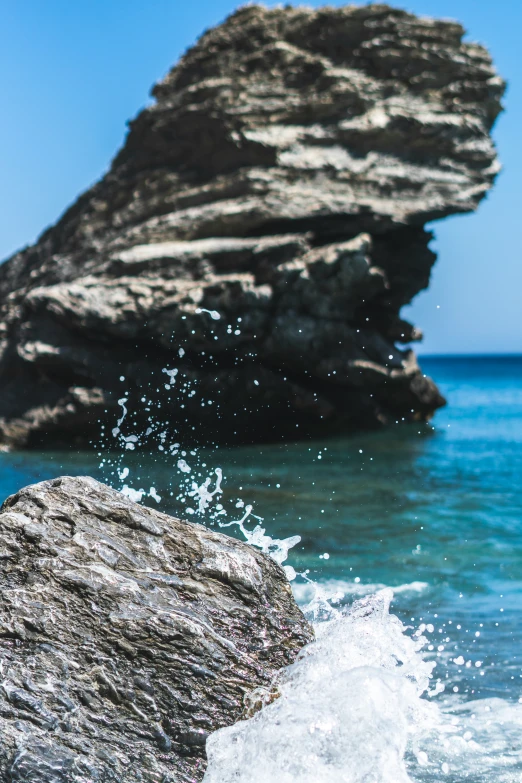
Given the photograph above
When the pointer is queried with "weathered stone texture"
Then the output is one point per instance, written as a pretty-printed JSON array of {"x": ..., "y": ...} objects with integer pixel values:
[
  {"x": 126, "y": 636},
  {"x": 283, "y": 177}
]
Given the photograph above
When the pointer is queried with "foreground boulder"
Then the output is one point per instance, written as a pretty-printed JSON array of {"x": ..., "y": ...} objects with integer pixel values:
[
  {"x": 259, "y": 232},
  {"x": 126, "y": 636}
]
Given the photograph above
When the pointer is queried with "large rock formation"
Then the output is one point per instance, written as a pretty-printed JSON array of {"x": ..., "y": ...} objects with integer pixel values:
[
  {"x": 126, "y": 636},
  {"x": 281, "y": 180}
]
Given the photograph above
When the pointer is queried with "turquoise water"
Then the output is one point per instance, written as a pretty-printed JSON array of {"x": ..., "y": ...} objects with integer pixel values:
[{"x": 434, "y": 512}]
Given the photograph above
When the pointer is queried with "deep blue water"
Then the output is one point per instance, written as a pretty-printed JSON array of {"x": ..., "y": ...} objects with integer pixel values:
[{"x": 437, "y": 507}]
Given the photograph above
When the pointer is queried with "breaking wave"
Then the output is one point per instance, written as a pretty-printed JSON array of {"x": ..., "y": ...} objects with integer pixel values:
[
  {"x": 362, "y": 705},
  {"x": 337, "y": 590},
  {"x": 344, "y": 710}
]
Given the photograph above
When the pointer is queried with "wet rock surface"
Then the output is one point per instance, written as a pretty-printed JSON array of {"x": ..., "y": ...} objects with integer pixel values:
[
  {"x": 126, "y": 636},
  {"x": 282, "y": 179}
]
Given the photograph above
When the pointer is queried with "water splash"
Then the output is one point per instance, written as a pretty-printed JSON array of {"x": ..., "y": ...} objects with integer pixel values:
[
  {"x": 476, "y": 741},
  {"x": 172, "y": 376},
  {"x": 135, "y": 495},
  {"x": 336, "y": 591},
  {"x": 190, "y": 487},
  {"x": 183, "y": 466},
  {"x": 203, "y": 493},
  {"x": 345, "y": 710},
  {"x": 212, "y": 313},
  {"x": 154, "y": 495},
  {"x": 123, "y": 405},
  {"x": 360, "y": 706},
  {"x": 276, "y": 548}
]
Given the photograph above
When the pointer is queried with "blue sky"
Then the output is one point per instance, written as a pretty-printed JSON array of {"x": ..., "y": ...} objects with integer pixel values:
[{"x": 74, "y": 73}]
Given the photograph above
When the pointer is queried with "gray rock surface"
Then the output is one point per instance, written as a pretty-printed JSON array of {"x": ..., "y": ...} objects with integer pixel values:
[
  {"x": 126, "y": 636},
  {"x": 282, "y": 178}
]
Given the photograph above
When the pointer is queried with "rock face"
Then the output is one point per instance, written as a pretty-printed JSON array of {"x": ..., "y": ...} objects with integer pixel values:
[
  {"x": 281, "y": 180},
  {"x": 126, "y": 636}
]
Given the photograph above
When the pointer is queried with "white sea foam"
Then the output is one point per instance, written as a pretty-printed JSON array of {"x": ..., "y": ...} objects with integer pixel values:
[
  {"x": 335, "y": 590},
  {"x": 351, "y": 710},
  {"x": 478, "y": 741},
  {"x": 345, "y": 709}
]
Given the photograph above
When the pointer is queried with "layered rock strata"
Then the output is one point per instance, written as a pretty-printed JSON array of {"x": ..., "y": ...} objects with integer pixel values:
[
  {"x": 126, "y": 636},
  {"x": 281, "y": 180}
]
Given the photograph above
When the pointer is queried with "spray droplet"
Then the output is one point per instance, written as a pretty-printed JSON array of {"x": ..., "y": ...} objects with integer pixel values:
[{"x": 212, "y": 313}]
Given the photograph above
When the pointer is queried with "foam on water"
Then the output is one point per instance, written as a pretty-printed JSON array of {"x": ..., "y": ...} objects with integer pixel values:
[
  {"x": 480, "y": 742},
  {"x": 361, "y": 705},
  {"x": 337, "y": 590},
  {"x": 474, "y": 741},
  {"x": 345, "y": 709}
]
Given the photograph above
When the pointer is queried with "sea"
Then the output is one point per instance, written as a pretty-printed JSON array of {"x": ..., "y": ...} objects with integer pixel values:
[{"x": 406, "y": 547}]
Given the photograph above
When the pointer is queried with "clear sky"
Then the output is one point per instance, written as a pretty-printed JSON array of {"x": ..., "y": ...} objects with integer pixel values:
[{"x": 75, "y": 72}]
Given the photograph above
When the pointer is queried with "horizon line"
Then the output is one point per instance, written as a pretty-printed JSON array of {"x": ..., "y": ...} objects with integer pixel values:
[{"x": 499, "y": 355}]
